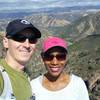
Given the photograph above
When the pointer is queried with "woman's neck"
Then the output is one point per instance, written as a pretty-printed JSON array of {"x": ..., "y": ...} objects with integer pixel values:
[{"x": 56, "y": 83}]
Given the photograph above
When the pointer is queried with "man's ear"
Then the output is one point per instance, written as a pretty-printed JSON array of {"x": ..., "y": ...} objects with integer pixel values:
[{"x": 5, "y": 42}]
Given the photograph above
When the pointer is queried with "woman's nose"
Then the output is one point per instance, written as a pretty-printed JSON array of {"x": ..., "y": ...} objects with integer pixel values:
[{"x": 54, "y": 60}]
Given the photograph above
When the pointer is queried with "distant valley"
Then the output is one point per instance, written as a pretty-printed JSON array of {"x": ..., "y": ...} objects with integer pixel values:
[{"x": 19, "y": 13}]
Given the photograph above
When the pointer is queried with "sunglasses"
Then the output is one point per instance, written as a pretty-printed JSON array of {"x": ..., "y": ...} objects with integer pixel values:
[
  {"x": 60, "y": 57},
  {"x": 22, "y": 38}
]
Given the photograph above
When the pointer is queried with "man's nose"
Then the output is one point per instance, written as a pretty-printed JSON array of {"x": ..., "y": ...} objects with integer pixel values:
[{"x": 27, "y": 43}]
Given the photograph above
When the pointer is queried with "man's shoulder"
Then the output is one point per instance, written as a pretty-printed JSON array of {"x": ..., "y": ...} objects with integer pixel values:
[
  {"x": 2, "y": 61},
  {"x": 1, "y": 74},
  {"x": 1, "y": 82}
]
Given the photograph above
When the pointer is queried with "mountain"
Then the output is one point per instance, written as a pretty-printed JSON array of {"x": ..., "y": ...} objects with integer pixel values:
[
  {"x": 84, "y": 60},
  {"x": 61, "y": 25},
  {"x": 72, "y": 26},
  {"x": 68, "y": 25},
  {"x": 88, "y": 24}
]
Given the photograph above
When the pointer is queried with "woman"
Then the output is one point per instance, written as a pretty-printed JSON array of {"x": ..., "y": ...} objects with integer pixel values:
[{"x": 56, "y": 83}]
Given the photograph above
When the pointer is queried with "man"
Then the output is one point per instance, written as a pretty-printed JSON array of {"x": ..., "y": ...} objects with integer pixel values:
[
  {"x": 56, "y": 83},
  {"x": 20, "y": 41}
]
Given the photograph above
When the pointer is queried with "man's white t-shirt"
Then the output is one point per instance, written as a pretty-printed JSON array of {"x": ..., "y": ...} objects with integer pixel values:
[{"x": 75, "y": 90}]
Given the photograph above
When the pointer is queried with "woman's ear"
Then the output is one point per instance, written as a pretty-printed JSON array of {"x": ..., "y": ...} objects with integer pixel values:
[
  {"x": 42, "y": 54},
  {"x": 5, "y": 42}
]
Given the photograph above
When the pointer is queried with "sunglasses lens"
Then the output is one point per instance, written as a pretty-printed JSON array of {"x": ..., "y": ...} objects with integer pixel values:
[
  {"x": 60, "y": 57},
  {"x": 48, "y": 57},
  {"x": 32, "y": 40},
  {"x": 22, "y": 38},
  {"x": 19, "y": 38}
]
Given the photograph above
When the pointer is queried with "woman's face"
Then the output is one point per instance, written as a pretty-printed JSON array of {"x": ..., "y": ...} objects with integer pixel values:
[{"x": 55, "y": 62}]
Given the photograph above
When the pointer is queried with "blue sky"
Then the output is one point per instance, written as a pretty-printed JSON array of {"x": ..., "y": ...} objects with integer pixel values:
[{"x": 34, "y": 4}]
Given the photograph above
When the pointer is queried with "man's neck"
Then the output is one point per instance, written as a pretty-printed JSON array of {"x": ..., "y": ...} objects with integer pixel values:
[{"x": 15, "y": 65}]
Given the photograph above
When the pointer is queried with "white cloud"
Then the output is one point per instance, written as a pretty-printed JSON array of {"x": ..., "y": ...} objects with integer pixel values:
[
  {"x": 8, "y": 1},
  {"x": 32, "y": 4}
]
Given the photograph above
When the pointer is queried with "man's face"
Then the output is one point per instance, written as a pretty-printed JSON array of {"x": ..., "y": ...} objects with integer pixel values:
[
  {"x": 19, "y": 48},
  {"x": 55, "y": 62}
]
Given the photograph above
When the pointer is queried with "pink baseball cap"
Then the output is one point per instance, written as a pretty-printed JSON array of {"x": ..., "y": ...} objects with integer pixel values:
[{"x": 50, "y": 42}]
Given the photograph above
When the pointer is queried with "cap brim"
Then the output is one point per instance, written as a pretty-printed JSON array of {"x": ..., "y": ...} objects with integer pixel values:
[
  {"x": 36, "y": 32},
  {"x": 59, "y": 49}
]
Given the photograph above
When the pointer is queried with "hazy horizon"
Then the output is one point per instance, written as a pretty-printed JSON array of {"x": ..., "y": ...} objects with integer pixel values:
[{"x": 35, "y": 4}]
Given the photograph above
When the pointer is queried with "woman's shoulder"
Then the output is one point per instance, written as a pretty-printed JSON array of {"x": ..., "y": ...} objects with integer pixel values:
[
  {"x": 36, "y": 80},
  {"x": 76, "y": 79}
]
